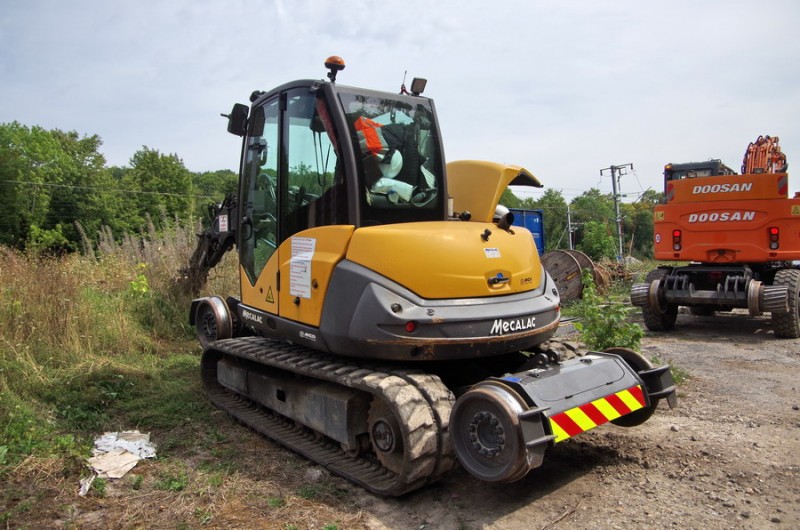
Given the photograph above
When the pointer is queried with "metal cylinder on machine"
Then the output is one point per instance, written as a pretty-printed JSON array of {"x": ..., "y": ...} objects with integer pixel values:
[
  {"x": 212, "y": 319},
  {"x": 640, "y": 294},
  {"x": 489, "y": 425}
]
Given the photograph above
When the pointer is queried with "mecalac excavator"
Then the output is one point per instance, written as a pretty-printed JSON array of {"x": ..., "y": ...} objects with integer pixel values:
[{"x": 390, "y": 317}]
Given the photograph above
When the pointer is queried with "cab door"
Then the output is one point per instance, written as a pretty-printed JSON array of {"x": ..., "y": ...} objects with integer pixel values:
[
  {"x": 291, "y": 182},
  {"x": 259, "y": 199}
]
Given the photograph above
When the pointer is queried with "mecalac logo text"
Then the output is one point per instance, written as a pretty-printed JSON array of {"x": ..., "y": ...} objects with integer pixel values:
[
  {"x": 247, "y": 315},
  {"x": 501, "y": 326}
]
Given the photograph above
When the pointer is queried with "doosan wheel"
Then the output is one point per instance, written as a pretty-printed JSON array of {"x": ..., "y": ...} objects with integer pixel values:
[
  {"x": 658, "y": 315},
  {"x": 787, "y": 324}
]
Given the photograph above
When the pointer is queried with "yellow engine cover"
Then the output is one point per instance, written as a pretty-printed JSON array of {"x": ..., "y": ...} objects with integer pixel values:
[{"x": 450, "y": 259}]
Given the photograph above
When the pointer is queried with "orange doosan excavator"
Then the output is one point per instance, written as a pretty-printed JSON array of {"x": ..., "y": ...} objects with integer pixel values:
[{"x": 740, "y": 235}]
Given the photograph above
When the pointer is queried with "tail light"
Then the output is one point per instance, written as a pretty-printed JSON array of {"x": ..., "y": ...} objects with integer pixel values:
[
  {"x": 774, "y": 235},
  {"x": 676, "y": 239}
]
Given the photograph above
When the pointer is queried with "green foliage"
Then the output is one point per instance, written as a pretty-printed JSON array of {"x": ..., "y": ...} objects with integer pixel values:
[
  {"x": 590, "y": 209},
  {"x": 310, "y": 491},
  {"x": 603, "y": 322},
  {"x": 81, "y": 345},
  {"x": 592, "y": 205},
  {"x": 597, "y": 242},
  {"x": 276, "y": 502},
  {"x": 173, "y": 481},
  {"x": 161, "y": 187},
  {"x": 139, "y": 287},
  {"x": 554, "y": 217},
  {"x": 136, "y": 482},
  {"x": 22, "y": 432},
  {"x": 42, "y": 241},
  {"x": 679, "y": 375},
  {"x": 99, "y": 487},
  {"x": 55, "y": 189},
  {"x": 509, "y": 200}
]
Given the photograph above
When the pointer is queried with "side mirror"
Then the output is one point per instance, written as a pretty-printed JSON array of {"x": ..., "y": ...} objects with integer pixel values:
[{"x": 237, "y": 119}]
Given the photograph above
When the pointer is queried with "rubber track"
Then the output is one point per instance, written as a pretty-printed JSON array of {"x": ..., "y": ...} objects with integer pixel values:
[{"x": 420, "y": 402}]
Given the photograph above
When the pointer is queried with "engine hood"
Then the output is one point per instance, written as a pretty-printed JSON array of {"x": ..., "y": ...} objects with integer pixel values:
[{"x": 450, "y": 259}]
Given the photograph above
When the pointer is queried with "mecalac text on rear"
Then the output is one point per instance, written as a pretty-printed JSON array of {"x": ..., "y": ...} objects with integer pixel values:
[
  {"x": 713, "y": 217},
  {"x": 722, "y": 188},
  {"x": 502, "y": 326},
  {"x": 247, "y": 315}
]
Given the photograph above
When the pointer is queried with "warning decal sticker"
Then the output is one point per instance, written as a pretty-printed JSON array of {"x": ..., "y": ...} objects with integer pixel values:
[{"x": 580, "y": 419}]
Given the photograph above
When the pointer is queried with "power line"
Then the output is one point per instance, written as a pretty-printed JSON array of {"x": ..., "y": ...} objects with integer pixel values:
[{"x": 118, "y": 190}]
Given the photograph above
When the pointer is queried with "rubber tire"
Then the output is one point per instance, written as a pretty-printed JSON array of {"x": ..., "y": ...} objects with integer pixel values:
[
  {"x": 638, "y": 362},
  {"x": 787, "y": 325},
  {"x": 660, "y": 318}
]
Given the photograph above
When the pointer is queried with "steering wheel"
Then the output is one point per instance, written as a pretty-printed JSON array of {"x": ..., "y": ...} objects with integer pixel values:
[{"x": 423, "y": 197}]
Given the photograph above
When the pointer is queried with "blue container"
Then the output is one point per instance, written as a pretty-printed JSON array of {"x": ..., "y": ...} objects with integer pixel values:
[{"x": 533, "y": 221}]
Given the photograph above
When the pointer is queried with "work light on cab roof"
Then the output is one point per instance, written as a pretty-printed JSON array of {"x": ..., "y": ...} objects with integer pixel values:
[{"x": 335, "y": 64}]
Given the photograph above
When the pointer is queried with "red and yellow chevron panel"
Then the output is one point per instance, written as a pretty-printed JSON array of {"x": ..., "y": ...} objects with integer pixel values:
[{"x": 580, "y": 419}]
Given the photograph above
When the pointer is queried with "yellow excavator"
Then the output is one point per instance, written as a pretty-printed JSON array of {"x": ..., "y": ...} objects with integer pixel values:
[{"x": 391, "y": 322}]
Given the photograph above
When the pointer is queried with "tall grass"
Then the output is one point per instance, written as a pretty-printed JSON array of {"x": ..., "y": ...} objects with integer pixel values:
[{"x": 91, "y": 341}]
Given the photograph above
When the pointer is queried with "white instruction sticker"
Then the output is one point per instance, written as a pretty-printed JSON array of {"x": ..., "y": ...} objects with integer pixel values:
[
  {"x": 492, "y": 252},
  {"x": 300, "y": 266}
]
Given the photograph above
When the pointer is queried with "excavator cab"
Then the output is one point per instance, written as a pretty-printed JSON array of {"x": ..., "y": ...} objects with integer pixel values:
[{"x": 318, "y": 154}]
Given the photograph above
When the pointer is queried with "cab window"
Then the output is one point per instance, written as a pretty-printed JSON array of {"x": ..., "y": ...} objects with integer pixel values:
[{"x": 398, "y": 154}]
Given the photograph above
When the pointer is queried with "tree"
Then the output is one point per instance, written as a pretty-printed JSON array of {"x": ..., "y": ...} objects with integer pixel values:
[
  {"x": 212, "y": 187},
  {"x": 641, "y": 232},
  {"x": 592, "y": 206},
  {"x": 86, "y": 192},
  {"x": 638, "y": 223},
  {"x": 158, "y": 185},
  {"x": 554, "y": 216},
  {"x": 598, "y": 243},
  {"x": 509, "y": 200},
  {"x": 30, "y": 167}
]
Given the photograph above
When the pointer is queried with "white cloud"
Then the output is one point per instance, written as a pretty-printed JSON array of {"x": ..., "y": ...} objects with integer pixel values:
[{"x": 563, "y": 88}]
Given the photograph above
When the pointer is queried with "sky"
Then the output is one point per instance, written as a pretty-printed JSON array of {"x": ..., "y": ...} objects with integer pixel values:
[{"x": 563, "y": 88}]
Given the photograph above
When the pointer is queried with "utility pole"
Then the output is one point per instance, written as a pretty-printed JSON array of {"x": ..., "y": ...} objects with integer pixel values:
[
  {"x": 616, "y": 173},
  {"x": 569, "y": 227}
]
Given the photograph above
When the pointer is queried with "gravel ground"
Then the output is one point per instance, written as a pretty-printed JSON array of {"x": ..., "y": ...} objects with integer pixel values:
[{"x": 726, "y": 457}]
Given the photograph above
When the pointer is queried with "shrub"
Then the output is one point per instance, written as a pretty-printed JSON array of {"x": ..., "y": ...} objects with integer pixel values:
[{"x": 603, "y": 322}]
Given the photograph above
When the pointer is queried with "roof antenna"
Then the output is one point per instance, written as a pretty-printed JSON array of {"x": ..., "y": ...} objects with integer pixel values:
[{"x": 403, "y": 85}]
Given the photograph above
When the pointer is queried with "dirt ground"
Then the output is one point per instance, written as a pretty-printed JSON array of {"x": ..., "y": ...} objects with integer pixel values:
[{"x": 727, "y": 457}]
